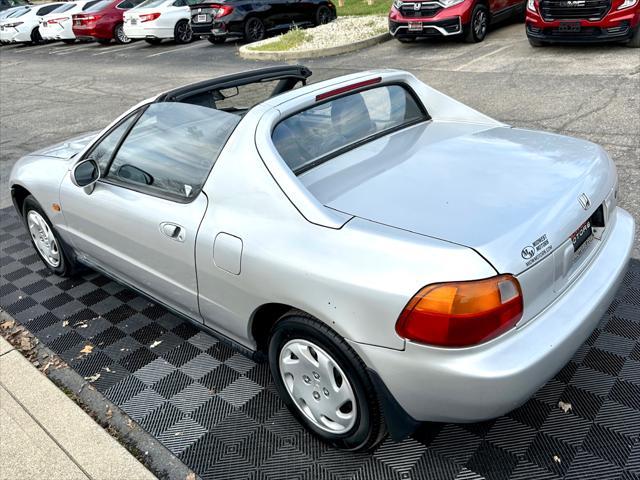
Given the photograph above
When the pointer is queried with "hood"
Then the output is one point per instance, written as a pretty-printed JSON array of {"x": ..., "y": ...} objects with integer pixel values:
[
  {"x": 496, "y": 190},
  {"x": 67, "y": 149}
]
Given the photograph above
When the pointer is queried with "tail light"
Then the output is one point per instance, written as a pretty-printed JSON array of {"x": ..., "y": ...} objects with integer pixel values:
[
  {"x": 149, "y": 17},
  {"x": 86, "y": 19},
  {"x": 460, "y": 314},
  {"x": 13, "y": 25},
  {"x": 221, "y": 11},
  {"x": 57, "y": 20}
]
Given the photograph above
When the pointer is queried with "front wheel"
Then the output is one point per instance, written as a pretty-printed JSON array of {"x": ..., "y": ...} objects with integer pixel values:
[
  {"x": 45, "y": 239},
  {"x": 254, "y": 30},
  {"x": 325, "y": 384},
  {"x": 119, "y": 35},
  {"x": 182, "y": 32},
  {"x": 36, "y": 38},
  {"x": 323, "y": 15},
  {"x": 477, "y": 28}
]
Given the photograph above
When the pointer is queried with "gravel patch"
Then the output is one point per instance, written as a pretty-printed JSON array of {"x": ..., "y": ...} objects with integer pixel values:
[{"x": 342, "y": 31}]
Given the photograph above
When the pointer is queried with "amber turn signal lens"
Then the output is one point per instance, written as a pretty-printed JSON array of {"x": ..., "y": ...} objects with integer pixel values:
[{"x": 461, "y": 314}]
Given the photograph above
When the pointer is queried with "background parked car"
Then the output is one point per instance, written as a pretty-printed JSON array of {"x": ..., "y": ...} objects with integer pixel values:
[
  {"x": 410, "y": 20},
  {"x": 22, "y": 25},
  {"x": 583, "y": 21},
  {"x": 9, "y": 4},
  {"x": 104, "y": 21},
  {"x": 254, "y": 19},
  {"x": 155, "y": 20},
  {"x": 58, "y": 24}
]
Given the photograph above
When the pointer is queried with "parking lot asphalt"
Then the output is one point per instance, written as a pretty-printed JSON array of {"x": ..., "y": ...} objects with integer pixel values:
[{"x": 52, "y": 92}]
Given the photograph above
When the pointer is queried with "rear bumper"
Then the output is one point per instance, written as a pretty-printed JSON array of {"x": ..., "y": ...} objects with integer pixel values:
[
  {"x": 483, "y": 382},
  {"x": 55, "y": 33},
  {"x": 616, "y": 26},
  {"x": 12, "y": 35},
  {"x": 148, "y": 32}
]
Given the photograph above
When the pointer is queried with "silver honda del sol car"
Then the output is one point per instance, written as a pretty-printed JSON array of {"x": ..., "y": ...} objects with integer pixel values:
[{"x": 397, "y": 256}]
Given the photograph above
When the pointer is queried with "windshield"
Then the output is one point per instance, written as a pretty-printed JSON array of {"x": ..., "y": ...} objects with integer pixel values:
[
  {"x": 64, "y": 8},
  {"x": 98, "y": 6},
  {"x": 325, "y": 130},
  {"x": 90, "y": 4},
  {"x": 152, "y": 3}
]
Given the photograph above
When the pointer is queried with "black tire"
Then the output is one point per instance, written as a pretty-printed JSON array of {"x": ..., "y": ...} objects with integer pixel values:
[
  {"x": 104, "y": 41},
  {"x": 254, "y": 30},
  {"x": 153, "y": 41},
  {"x": 216, "y": 40},
  {"x": 182, "y": 32},
  {"x": 323, "y": 15},
  {"x": 534, "y": 42},
  {"x": 635, "y": 40},
  {"x": 36, "y": 38},
  {"x": 67, "y": 265},
  {"x": 477, "y": 28},
  {"x": 119, "y": 35},
  {"x": 369, "y": 428},
  {"x": 69, "y": 41}
]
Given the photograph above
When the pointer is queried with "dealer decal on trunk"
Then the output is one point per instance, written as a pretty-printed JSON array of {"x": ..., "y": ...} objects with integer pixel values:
[{"x": 536, "y": 251}]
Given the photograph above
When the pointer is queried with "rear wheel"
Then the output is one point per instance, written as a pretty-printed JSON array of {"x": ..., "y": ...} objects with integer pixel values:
[
  {"x": 325, "y": 384},
  {"x": 323, "y": 15},
  {"x": 182, "y": 32},
  {"x": 477, "y": 29},
  {"x": 635, "y": 40},
  {"x": 119, "y": 35},
  {"x": 216, "y": 40},
  {"x": 36, "y": 38},
  {"x": 45, "y": 239},
  {"x": 153, "y": 41},
  {"x": 254, "y": 30}
]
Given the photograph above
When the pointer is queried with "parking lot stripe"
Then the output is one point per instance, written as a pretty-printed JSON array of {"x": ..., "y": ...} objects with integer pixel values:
[
  {"x": 114, "y": 50},
  {"x": 32, "y": 48},
  {"x": 477, "y": 59},
  {"x": 184, "y": 47},
  {"x": 74, "y": 49}
]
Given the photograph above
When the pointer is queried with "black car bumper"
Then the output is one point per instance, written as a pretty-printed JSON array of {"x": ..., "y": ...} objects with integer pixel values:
[
  {"x": 618, "y": 33},
  {"x": 441, "y": 28}
]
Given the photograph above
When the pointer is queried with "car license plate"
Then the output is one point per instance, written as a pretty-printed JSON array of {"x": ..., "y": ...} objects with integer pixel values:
[
  {"x": 581, "y": 235},
  {"x": 202, "y": 18},
  {"x": 415, "y": 26},
  {"x": 134, "y": 21},
  {"x": 569, "y": 27},
  {"x": 44, "y": 24}
]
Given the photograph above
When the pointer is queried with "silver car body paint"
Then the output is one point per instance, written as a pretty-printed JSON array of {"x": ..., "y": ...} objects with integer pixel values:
[{"x": 350, "y": 242}]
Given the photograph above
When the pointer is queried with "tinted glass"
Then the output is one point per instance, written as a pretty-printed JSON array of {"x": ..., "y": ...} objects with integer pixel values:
[
  {"x": 171, "y": 149},
  {"x": 64, "y": 8},
  {"x": 103, "y": 151},
  {"x": 18, "y": 13},
  {"x": 88, "y": 5},
  {"x": 47, "y": 9},
  {"x": 331, "y": 126},
  {"x": 152, "y": 3},
  {"x": 15, "y": 3},
  {"x": 98, "y": 6}
]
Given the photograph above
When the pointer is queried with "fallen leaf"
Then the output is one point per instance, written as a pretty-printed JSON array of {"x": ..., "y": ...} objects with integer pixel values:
[
  {"x": 107, "y": 369},
  {"x": 92, "y": 378},
  {"x": 130, "y": 423},
  {"x": 87, "y": 348},
  {"x": 65, "y": 323},
  {"x": 557, "y": 459},
  {"x": 6, "y": 325},
  {"x": 109, "y": 413},
  {"x": 46, "y": 367},
  {"x": 564, "y": 406},
  {"x": 25, "y": 343},
  {"x": 190, "y": 476},
  {"x": 155, "y": 344},
  {"x": 82, "y": 324}
]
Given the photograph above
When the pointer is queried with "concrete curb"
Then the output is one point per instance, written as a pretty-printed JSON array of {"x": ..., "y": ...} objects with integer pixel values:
[{"x": 245, "y": 52}]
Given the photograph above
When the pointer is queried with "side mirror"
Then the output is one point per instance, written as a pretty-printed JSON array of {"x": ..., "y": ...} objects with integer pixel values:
[{"x": 85, "y": 173}]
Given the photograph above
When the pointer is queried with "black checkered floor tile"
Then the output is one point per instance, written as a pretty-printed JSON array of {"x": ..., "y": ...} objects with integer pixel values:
[{"x": 217, "y": 410}]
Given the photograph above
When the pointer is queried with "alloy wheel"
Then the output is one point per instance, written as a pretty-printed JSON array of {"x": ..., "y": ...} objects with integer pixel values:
[
  {"x": 183, "y": 32},
  {"x": 318, "y": 386},
  {"x": 255, "y": 30},
  {"x": 121, "y": 37},
  {"x": 324, "y": 15},
  {"x": 43, "y": 239},
  {"x": 480, "y": 24}
]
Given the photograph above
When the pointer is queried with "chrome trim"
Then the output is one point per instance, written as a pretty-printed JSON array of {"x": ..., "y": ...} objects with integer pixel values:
[{"x": 435, "y": 27}]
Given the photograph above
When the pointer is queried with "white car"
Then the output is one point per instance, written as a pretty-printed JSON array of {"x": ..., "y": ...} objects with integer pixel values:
[
  {"x": 58, "y": 24},
  {"x": 22, "y": 26},
  {"x": 156, "y": 20}
]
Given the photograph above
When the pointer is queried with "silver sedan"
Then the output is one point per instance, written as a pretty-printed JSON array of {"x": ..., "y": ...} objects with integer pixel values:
[{"x": 397, "y": 256}]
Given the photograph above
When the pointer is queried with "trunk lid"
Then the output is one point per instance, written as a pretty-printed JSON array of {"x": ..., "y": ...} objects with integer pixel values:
[{"x": 512, "y": 195}]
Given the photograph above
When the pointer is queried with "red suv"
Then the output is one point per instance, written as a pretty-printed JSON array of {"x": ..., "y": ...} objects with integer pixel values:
[
  {"x": 103, "y": 21},
  {"x": 409, "y": 20},
  {"x": 575, "y": 21}
]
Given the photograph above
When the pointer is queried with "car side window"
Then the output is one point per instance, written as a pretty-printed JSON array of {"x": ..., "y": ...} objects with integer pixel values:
[
  {"x": 180, "y": 3},
  {"x": 125, "y": 5},
  {"x": 171, "y": 149},
  {"x": 104, "y": 150}
]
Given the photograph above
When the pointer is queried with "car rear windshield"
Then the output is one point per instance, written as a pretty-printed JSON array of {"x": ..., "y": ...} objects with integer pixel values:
[
  {"x": 18, "y": 13},
  {"x": 64, "y": 8},
  {"x": 99, "y": 6},
  {"x": 90, "y": 4},
  {"x": 317, "y": 134},
  {"x": 152, "y": 3}
]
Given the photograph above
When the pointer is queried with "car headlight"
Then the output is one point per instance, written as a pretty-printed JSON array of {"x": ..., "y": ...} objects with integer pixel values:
[
  {"x": 627, "y": 4},
  {"x": 531, "y": 5},
  {"x": 450, "y": 3}
]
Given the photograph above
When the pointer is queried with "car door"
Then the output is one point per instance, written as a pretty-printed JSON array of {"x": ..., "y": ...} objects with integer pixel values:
[{"x": 141, "y": 220}]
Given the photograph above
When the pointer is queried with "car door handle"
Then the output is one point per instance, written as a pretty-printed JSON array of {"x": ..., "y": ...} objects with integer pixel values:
[{"x": 173, "y": 231}]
